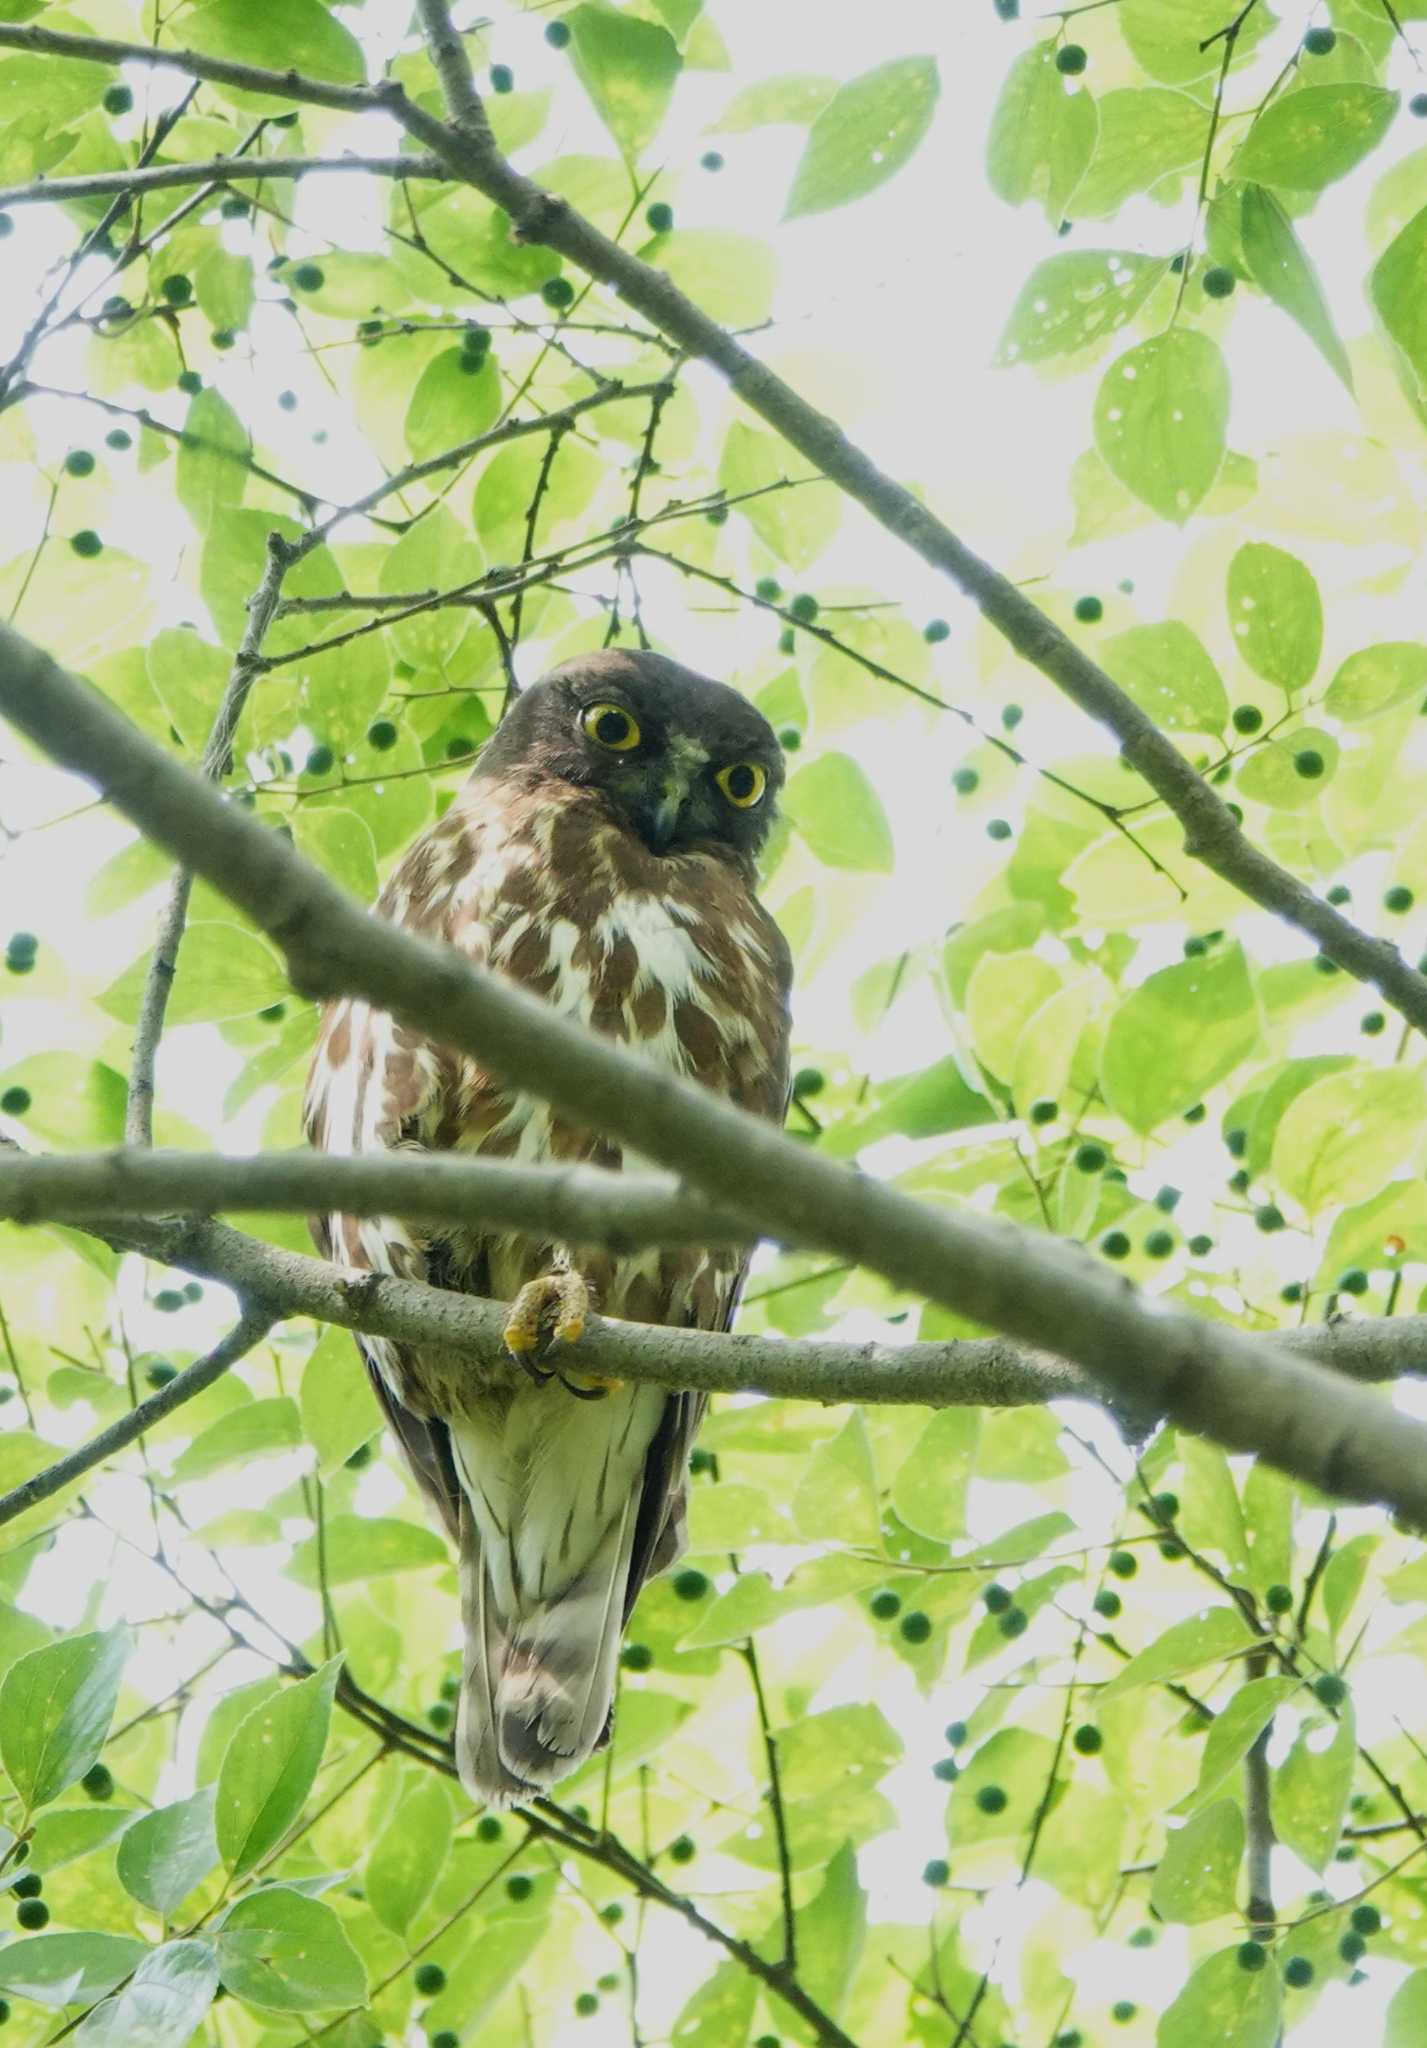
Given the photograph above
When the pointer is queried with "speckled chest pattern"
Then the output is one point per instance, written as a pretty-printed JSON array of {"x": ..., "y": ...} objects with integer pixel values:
[{"x": 673, "y": 955}]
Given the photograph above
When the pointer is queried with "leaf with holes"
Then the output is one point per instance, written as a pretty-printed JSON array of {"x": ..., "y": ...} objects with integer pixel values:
[{"x": 1161, "y": 416}]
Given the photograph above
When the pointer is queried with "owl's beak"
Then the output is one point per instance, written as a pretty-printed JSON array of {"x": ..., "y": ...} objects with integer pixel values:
[{"x": 659, "y": 816}]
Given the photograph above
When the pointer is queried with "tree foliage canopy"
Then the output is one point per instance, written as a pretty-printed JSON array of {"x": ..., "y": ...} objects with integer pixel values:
[{"x": 952, "y": 1713}]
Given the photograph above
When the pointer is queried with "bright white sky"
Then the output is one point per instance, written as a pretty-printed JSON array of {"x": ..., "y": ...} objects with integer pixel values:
[{"x": 888, "y": 314}]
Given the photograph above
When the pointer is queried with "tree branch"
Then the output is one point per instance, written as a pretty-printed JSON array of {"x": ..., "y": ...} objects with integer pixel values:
[
  {"x": 251, "y": 1328},
  {"x": 569, "y": 1204},
  {"x": 1246, "y": 1393},
  {"x": 221, "y": 170},
  {"x": 283, "y": 85}
]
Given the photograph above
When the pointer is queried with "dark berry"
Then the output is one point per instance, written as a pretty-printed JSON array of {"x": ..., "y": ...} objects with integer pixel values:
[
  {"x": 1123, "y": 1563},
  {"x": 965, "y": 780},
  {"x": 557, "y": 292},
  {"x": 1087, "y": 1739},
  {"x": 1071, "y": 60},
  {"x": 997, "y": 1599},
  {"x": 804, "y": 608},
  {"x": 29, "y": 1886},
  {"x": 1089, "y": 610},
  {"x": 557, "y": 34},
  {"x": 700, "y": 1462},
  {"x": 1354, "y": 1281},
  {"x": 439, "y": 1714},
  {"x": 1397, "y": 900},
  {"x": 1011, "y": 716},
  {"x": 1292, "y": 1292},
  {"x": 1218, "y": 282},
  {"x": 360, "y": 1458},
  {"x": 1115, "y": 1245},
  {"x": 809, "y": 1081},
  {"x": 502, "y": 78},
  {"x": 915, "y": 1627},
  {"x": 1418, "y": 105},
  {"x": 586, "y": 2004},
  {"x": 1252, "y": 1955},
  {"x": 690, "y": 1585},
  {"x": 1309, "y": 763},
  {"x": 1352, "y": 1948},
  {"x": 1168, "y": 1200},
  {"x": 79, "y": 462},
  {"x": 1123, "y": 2011},
  {"x": 1013, "y": 1623},
  {"x": 86, "y": 543},
  {"x": 682, "y": 1849},
  {"x": 1159, "y": 1244},
  {"x": 787, "y": 641},
  {"x": 768, "y": 589},
  {"x": 1331, "y": 1689},
  {"x": 1044, "y": 1112},
  {"x": 1108, "y": 1603},
  {"x": 287, "y": 401},
  {"x": 998, "y": 829},
  {"x": 660, "y": 217},
  {"x": 1247, "y": 718},
  {"x": 235, "y": 208},
  {"x": 885, "y": 1606},
  {"x": 1090, "y": 1158},
  {"x": 381, "y": 735},
  {"x": 955, "y": 1732},
  {"x": 519, "y": 1887},
  {"x": 178, "y": 289},
  {"x": 1201, "y": 1246},
  {"x": 1365, "y": 1919},
  {"x": 118, "y": 437},
  {"x": 711, "y": 160},
  {"x": 1298, "y": 1971},
  {"x": 1268, "y": 1217},
  {"x": 34, "y": 1913},
  {"x": 1165, "y": 1506},
  {"x": 992, "y": 1799},
  {"x": 947, "y": 1769},
  {"x": 15, "y": 1101},
  {"x": 936, "y": 1872},
  {"x": 1278, "y": 1599},
  {"x": 1143, "y": 1937},
  {"x": 488, "y": 1828},
  {"x": 223, "y": 337},
  {"x": 160, "y": 1373},
  {"x": 308, "y": 277},
  {"x": 935, "y": 630},
  {"x": 1195, "y": 1115},
  {"x": 1237, "y": 1142},
  {"x": 790, "y": 739},
  {"x": 612, "y": 1914},
  {"x": 1319, "y": 41},
  {"x": 169, "y": 1300},
  {"x": 429, "y": 1978},
  {"x": 1338, "y": 895},
  {"x": 118, "y": 100},
  {"x": 190, "y": 382},
  {"x": 320, "y": 761}
]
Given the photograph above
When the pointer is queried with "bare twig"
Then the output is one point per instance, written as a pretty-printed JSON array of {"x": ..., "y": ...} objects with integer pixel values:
[{"x": 217, "y": 170}]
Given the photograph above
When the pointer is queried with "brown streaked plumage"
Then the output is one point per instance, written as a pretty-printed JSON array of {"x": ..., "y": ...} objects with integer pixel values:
[{"x": 602, "y": 856}]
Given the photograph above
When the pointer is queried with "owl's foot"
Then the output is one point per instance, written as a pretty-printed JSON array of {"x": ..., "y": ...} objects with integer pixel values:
[{"x": 552, "y": 1309}]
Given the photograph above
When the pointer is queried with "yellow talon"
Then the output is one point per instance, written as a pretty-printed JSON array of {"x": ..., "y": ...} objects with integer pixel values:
[{"x": 530, "y": 1313}]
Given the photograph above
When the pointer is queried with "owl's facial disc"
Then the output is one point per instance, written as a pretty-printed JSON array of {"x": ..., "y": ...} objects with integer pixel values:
[{"x": 665, "y": 801}]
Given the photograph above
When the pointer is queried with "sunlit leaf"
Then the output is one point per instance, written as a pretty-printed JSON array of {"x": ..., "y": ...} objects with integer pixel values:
[
  {"x": 1161, "y": 415},
  {"x": 864, "y": 135}
]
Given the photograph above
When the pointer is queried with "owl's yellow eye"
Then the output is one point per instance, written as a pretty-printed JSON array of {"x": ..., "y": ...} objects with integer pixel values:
[
  {"x": 612, "y": 726},
  {"x": 743, "y": 783}
]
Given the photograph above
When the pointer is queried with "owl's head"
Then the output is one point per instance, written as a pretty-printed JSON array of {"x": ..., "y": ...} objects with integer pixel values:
[{"x": 681, "y": 760}]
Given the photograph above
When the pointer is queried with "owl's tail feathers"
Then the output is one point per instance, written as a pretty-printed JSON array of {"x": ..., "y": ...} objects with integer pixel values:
[{"x": 539, "y": 1675}]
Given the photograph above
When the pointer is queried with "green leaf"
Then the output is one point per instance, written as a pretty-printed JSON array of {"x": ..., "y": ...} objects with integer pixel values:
[
  {"x": 1234, "y": 1731},
  {"x": 286, "y": 1953},
  {"x": 1171, "y": 38},
  {"x": 1042, "y": 137},
  {"x": 279, "y": 35},
  {"x": 840, "y": 815},
  {"x": 211, "y": 470},
  {"x": 55, "y": 1708},
  {"x": 837, "y": 1494},
  {"x": 795, "y": 97},
  {"x": 1398, "y": 287},
  {"x": 360, "y": 1547},
  {"x": 433, "y": 554},
  {"x": 1170, "y": 673},
  {"x": 269, "y": 1766},
  {"x": 929, "y": 1490},
  {"x": 1308, "y": 1793},
  {"x": 409, "y": 1854},
  {"x": 163, "y": 2003},
  {"x": 1343, "y": 1579},
  {"x": 733, "y": 278},
  {"x": 1161, "y": 414},
  {"x": 865, "y": 134},
  {"x": 338, "y": 1409},
  {"x": 1271, "y": 775},
  {"x": 1004, "y": 993},
  {"x": 1311, "y": 137},
  {"x": 922, "y": 1105},
  {"x": 68, "y": 1969},
  {"x": 1226, "y": 2004},
  {"x": 1377, "y": 679},
  {"x": 450, "y": 406},
  {"x": 1176, "y": 1035},
  {"x": 1074, "y": 299},
  {"x": 1021, "y": 1764},
  {"x": 189, "y": 676},
  {"x": 1199, "y": 1869},
  {"x": 1407, "y": 2014},
  {"x": 223, "y": 971},
  {"x": 74, "y": 1102},
  {"x": 832, "y": 1928},
  {"x": 1341, "y": 1139},
  {"x": 255, "y": 1431},
  {"x": 1148, "y": 137},
  {"x": 1282, "y": 269},
  {"x": 795, "y": 525},
  {"x": 1208, "y": 1637},
  {"x": 1276, "y": 614},
  {"x": 166, "y": 1852},
  {"x": 629, "y": 68},
  {"x": 720, "y": 2012}
]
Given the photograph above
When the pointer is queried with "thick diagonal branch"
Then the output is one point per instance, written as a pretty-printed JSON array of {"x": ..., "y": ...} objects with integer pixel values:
[{"x": 1249, "y": 1395}]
